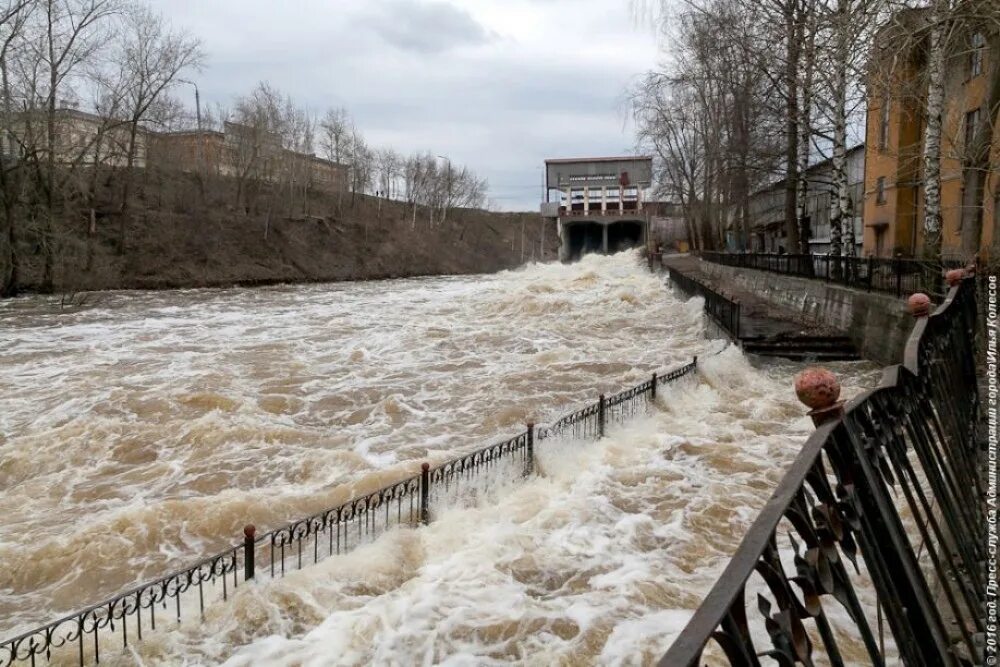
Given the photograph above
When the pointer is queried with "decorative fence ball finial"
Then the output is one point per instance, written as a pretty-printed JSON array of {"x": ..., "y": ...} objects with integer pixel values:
[
  {"x": 249, "y": 531},
  {"x": 954, "y": 277},
  {"x": 919, "y": 305},
  {"x": 818, "y": 388}
]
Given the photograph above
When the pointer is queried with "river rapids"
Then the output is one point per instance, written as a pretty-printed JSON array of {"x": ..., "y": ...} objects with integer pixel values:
[{"x": 141, "y": 432}]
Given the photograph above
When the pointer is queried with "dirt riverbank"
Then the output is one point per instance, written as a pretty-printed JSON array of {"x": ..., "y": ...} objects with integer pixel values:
[{"x": 176, "y": 234}]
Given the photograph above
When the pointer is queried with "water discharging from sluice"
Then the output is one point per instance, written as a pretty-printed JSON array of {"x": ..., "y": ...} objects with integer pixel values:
[{"x": 145, "y": 432}]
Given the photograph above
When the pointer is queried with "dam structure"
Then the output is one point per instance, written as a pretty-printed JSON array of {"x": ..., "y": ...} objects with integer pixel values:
[{"x": 597, "y": 203}]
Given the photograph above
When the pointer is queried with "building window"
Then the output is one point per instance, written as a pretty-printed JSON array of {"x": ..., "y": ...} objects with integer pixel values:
[
  {"x": 976, "y": 55},
  {"x": 883, "y": 125},
  {"x": 880, "y": 190},
  {"x": 880, "y": 241},
  {"x": 971, "y": 126}
]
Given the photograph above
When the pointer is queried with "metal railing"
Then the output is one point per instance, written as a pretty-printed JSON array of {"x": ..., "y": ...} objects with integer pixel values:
[
  {"x": 724, "y": 311},
  {"x": 893, "y": 479},
  {"x": 892, "y": 275},
  {"x": 85, "y": 635}
]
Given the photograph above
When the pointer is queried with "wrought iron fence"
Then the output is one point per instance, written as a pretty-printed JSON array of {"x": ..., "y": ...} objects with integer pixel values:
[
  {"x": 85, "y": 635},
  {"x": 724, "y": 311},
  {"x": 464, "y": 479},
  {"x": 336, "y": 530},
  {"x": 893, "y": 479},
  {"x": 893, "y": 275}
]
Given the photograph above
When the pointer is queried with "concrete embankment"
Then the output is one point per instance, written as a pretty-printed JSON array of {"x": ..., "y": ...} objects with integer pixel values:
[{"x": 877, "y": 324}]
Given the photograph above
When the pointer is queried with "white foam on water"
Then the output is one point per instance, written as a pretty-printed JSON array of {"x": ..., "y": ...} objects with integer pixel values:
[{"x": 599, "y": 561}]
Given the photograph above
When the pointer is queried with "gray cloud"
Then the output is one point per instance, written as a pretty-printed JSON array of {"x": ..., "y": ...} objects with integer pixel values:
[
  {"x": 425, "y": 26},
  {"x": 497, "y": 85}
]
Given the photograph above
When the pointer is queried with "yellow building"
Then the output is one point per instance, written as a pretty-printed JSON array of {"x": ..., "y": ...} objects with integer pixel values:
[
  {"x": 81, "y": 138},
  {"x": 970, "y": 184}
]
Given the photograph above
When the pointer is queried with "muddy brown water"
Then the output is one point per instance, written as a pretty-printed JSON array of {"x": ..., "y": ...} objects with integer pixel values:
[{"x": 141, "y": 433}]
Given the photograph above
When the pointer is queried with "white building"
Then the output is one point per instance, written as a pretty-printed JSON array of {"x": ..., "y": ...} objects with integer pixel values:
[{"x": 598, "y": 203}]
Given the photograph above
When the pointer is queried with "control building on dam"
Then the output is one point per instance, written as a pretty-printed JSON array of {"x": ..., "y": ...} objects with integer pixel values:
[{"x": 597, "y": 203}]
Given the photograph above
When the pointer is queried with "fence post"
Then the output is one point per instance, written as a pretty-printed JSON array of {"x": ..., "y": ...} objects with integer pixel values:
[
  {"x": 530, "y": 466},
  {"x": 425, "y": 488},
  {"x": 600, "y": 416},
  {"x": 249, "y": 540},
  {"x": 695, "y": 361},
  {"x": 653, "y": 392}
]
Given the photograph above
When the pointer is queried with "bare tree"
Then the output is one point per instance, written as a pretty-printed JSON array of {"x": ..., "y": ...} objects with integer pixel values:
[
  {"x": 932, "y": 133},
  {"x": 149, "y": 59},
  {"x": 841, "y": 93},
  {"x": 253, "y": 141},
  {"x": 360, "y": 162},
  {"x": 711, "y": 120},
  {"x": 14, "y": 19},
  {"x": 67, "y": 34},
  {"x": 335, "y": 132}
]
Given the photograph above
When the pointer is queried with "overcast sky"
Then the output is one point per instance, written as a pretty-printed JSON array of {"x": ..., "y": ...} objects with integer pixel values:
[{"x": 498, "y": 85}]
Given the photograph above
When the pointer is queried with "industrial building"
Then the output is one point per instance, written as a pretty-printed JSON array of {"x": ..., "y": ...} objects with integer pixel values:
[{"x": 598, "y": 203}]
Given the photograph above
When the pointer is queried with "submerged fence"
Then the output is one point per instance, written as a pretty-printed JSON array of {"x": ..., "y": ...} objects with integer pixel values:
[
  {"x": 902, "y": 454},
  {"x": 881, "y": 274},
  {"x": 85, "y": 635},
  {"x": 724, "y": 311}
]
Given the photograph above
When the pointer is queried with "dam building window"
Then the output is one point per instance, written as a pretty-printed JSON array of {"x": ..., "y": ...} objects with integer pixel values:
[{"x": 880, "y": 190}]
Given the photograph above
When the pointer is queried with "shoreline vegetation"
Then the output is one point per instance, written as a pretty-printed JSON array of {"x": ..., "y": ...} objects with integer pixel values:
[{"x": 181, "y": 231}]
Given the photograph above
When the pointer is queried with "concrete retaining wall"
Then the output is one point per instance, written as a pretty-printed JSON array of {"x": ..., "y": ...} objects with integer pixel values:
[{"x": 878, "y": 324}]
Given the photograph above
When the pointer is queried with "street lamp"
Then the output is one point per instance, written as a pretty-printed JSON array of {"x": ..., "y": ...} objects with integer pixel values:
[{"x": 197, "y": 111}]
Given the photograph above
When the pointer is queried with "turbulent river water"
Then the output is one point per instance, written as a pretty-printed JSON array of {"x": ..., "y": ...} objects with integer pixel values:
[{"x": 143, "y": 431}]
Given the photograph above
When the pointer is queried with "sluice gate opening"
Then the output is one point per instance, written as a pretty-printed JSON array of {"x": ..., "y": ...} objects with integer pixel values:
[
  {"x": 582, "y": 239},
  {"x": 624, "y": 235}
]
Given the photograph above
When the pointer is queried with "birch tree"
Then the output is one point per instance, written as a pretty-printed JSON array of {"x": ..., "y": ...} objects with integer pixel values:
[
  {"x": 932, "y": 132},
  {"x": 841, "y": 93},
  {"x": 805, "y": 126},
  {"x": 937, "y": 29}
]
